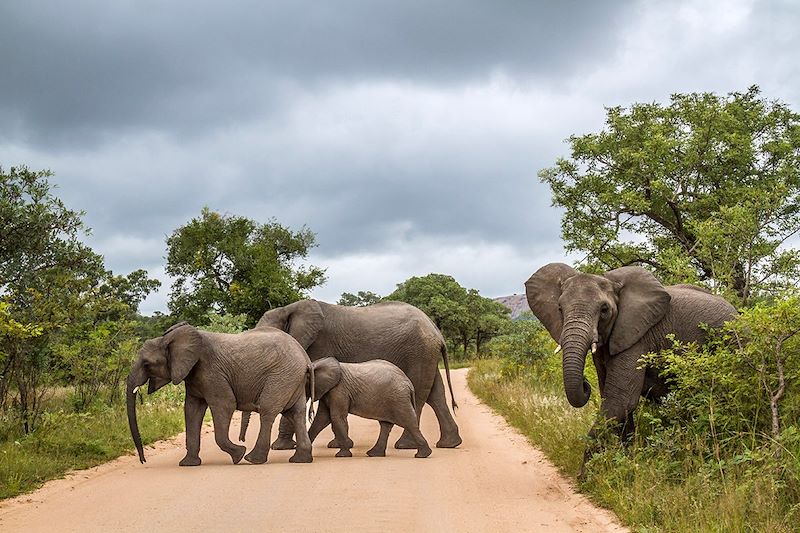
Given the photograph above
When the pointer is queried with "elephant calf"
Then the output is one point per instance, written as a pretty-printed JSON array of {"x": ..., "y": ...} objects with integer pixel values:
[{"x": 374, "y": 389}]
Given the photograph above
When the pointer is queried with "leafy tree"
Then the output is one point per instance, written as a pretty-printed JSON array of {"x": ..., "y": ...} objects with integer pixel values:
[
  {"x": 44, "y": 267},
  {"x": 362, "y": 299},
  {"x": 438, "y": 295},
  {"x": 225, "y": 323},
  {"x": 58, "y": 288},
  {"x": 462, "y": 315},
  {"x": 706, "y": 188},
  {"x": 233, "y": 265}
]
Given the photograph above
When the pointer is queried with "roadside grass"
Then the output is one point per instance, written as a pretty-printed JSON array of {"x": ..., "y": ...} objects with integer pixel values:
[
  {"x": 68, "y": 440},
  {"x": 455, "y": 365},
  {"x": 661, "y": 481}
]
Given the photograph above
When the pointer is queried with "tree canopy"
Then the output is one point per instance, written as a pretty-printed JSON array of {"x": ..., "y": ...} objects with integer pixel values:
[
  {"x": 233, "y": 265},
  {"x": 462, "y": 315},
  {"x": 363, "y": 298},
  {"x": 63, "y": 316},
  {"x": 705, "y": 189}
]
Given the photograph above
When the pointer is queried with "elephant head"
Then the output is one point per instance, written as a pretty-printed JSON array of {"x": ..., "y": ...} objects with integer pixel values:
[
  {"x": 302, "y": 320},
  {"x": 327, "y": 373},
  {"x": 586, "y": 311},
  {"x": 167, "y": 358}
]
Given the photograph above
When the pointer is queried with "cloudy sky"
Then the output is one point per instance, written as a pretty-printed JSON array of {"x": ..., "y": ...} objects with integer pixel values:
[{"x": 406, "y": 135}]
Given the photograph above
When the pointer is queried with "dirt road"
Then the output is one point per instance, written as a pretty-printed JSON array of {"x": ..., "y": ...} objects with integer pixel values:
[{"x": 494, "y": 482}]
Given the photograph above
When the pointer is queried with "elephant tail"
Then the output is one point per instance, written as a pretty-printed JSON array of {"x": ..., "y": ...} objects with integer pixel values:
[
  {"x": 313, "y": 385},
  {"x": 447, "y": 373}
]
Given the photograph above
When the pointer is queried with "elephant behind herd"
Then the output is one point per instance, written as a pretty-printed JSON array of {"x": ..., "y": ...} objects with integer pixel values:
[{"x": 617, "y": 317}]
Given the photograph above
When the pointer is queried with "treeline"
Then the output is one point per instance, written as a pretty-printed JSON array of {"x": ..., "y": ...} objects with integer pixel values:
[{"x": 466, "y": 319}]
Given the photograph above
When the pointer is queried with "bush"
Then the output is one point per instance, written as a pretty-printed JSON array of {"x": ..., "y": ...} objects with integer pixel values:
[{"x": 526, "y": 344}]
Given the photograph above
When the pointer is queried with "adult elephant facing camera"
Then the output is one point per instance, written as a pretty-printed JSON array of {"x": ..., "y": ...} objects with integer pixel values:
[
  {"x": 395, "y": 331},
  {"x": 618, "y": 316}
]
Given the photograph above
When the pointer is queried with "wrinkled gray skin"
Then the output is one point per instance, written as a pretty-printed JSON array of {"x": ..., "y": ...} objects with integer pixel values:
[
  {"x": 374, "y": 389},
  {"x": 626, "y": 313},
  {"x": 262, "y": 371},
  {"x": 395, "y": 331}
]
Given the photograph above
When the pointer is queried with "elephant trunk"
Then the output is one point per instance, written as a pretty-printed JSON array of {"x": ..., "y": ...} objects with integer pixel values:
[
  {"x": 135, "y": 379},
  {"x": 576, "y": 338}
]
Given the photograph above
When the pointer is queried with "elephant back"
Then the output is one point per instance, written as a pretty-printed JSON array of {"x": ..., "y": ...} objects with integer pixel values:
[{"x": 692, "y": 306}]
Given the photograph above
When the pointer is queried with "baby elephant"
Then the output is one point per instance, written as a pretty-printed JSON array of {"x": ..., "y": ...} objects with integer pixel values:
[{"x": 374, "y": 389}]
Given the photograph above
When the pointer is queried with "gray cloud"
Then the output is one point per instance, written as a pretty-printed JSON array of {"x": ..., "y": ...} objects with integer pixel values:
[
  {"x": 406, "y": 135},
  {"x": 86, "y": 71}
]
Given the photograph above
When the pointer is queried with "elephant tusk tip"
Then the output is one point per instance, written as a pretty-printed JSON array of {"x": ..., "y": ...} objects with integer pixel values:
[
  {"x": 558, "y": 349},
  {"x": 136, "y": 389},
  {"x": 594, "y": 347}
]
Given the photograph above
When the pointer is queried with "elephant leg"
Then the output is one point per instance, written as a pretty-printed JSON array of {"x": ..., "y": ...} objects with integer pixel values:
[
  {"x": 260, "y": 452},
  {"x": 448, "y": 428},
  {"x": 408, "y": 422},
  {"x": 322, "y": 419},
  {"x": 341, "y": 431},
  {"x": 623, "y": 388},
  {"x": 379, "y": 450},
  {"x": 423, "y": 383},
  {"x": 298, "y": 414},
  {"x": 285, "y": 432},
  {"x": 194, "y": 409},
  {"x": 221, "y": 414}
]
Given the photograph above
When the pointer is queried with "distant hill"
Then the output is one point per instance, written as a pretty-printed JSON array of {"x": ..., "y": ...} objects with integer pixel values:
[{"x": 516, "y": 302}]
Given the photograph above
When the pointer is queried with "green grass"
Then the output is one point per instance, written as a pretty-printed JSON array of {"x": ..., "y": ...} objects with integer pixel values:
[
  {"x": 650, "y": 488},
  {"x": 67, "y": 440}
]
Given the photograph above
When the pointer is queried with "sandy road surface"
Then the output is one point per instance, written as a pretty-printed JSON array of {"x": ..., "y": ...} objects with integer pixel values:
[{"x": 494, "y": 482}]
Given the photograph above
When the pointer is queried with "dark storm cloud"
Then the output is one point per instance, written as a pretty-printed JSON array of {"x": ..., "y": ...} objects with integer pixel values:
[
  {"x": 79, "y": 72},
  {"x": 407, "y": 135}
]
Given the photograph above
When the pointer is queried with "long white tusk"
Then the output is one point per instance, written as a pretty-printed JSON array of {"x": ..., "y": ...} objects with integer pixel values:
[
  {"x": 135, "y": 390},
  {"x": 594, "y": 347},
  {"x": 558, "y": 349}
]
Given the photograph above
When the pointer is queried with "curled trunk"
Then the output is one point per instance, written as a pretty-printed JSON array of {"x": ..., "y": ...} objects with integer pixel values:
[
  {"x": 575, "y": 343},
  {"x": 135, "y": 379}
]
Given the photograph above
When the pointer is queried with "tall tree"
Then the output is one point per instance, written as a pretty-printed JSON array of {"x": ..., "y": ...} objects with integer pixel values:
[
  {"x": 706, "y": 188},
  {"x": 462, "y": 315},
  {"x": 52, "y": 282},
  {"x": 233, "y": 265}
]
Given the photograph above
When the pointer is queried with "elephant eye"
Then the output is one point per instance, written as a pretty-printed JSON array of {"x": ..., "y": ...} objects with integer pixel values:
[{"x": 604, "y": 309}]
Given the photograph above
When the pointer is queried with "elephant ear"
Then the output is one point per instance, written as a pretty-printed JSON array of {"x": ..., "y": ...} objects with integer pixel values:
[
  {"x": 327, "y": 374},
  {"x": 543, "y": 290},
  {"x": 302, "y": 320},
  {"x": 643, "y": 302},
  {"x": 184, "y": 345}
]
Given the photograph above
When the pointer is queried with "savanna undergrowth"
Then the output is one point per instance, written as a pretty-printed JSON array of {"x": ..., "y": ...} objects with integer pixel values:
[{"x": 67, "y": 439}]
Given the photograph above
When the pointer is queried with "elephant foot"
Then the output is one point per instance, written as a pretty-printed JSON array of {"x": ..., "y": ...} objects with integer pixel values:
[
  {"x": 335, "y": 444},
  {"x": 377, "y": 452},
  {"x": 406, "y": 443},
  {"x": 256, "y": 458},
  {"x": 423, "y": 452},
  {"x": 344, "y": 453},
  {"x": 190, "y": 461},
  {"x": 449, "y": 442},
  {"x": 283, "y": 443},
  {"x": 237, "y": 454},
  {"x": 301, "y": 457}
]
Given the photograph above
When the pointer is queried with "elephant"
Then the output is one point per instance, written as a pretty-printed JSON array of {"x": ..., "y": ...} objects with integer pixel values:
[
  {"x": 374, "y": 389},
  {"x": 619, "y": 316},
  {"x": 395, "y": 331},
  {"x": 263, "y": 371}
]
